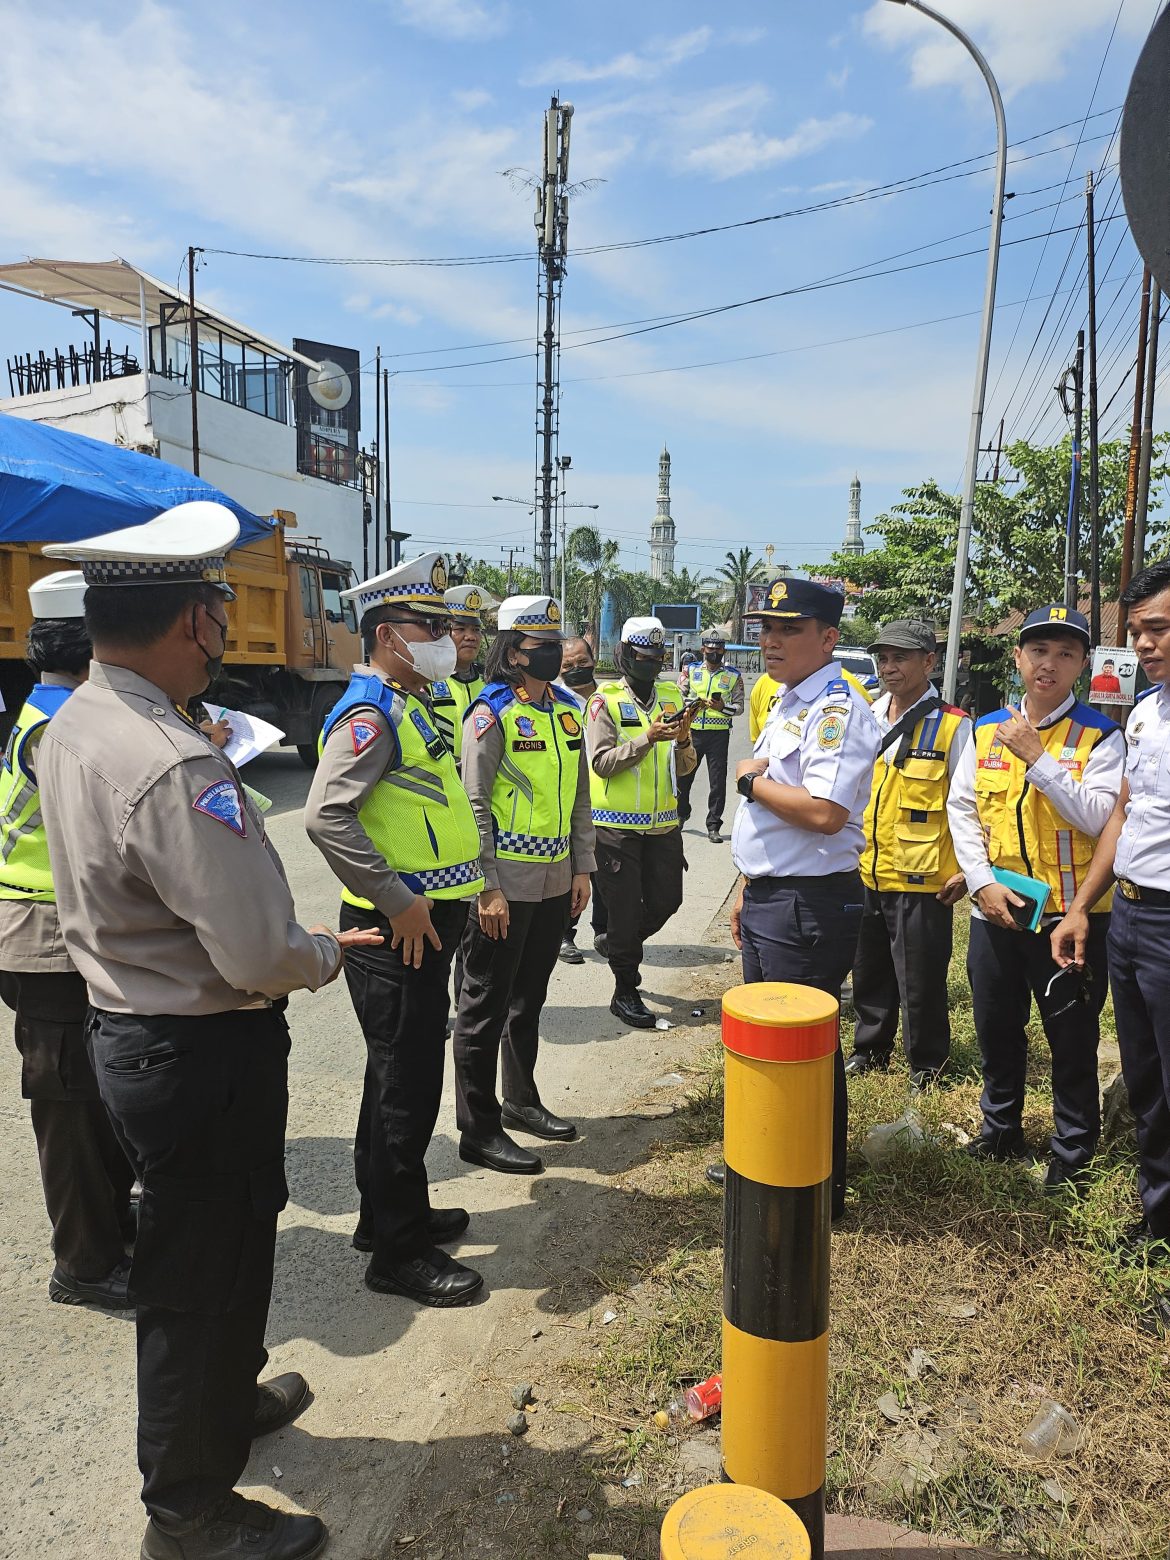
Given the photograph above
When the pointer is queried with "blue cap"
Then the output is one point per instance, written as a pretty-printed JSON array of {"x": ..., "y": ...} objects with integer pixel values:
[
  {"x": 1065, "y": 620},
  {"x": 800, "y": 599}
]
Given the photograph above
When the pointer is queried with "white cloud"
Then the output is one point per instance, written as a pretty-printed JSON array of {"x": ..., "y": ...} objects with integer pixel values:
[
  {"x": 1026, "y": 42},
  {"x": 837, "y": 78},
  {"x": 744, "y": 37},
  {"x": 658, "y": 56},
  {"x": 473, "y": 98},
  {"x": 747, "y": 151},
  {"x": 461, "y": 21}
]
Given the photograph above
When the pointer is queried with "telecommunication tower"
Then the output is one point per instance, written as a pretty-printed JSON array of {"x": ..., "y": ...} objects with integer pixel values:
[{"x": 552, "y": 231}]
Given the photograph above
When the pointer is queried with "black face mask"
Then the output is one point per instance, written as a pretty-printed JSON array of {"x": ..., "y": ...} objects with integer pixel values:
[
  {"x": 214, "y": 662},
  {"x": 643, "y": 672},
  {"x": 715, "y": 657},
  {"x": 544, "y": 661},
  {"x": 578, "y": 676}
]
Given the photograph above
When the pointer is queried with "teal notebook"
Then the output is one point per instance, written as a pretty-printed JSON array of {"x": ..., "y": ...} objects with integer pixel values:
[{"x": 1036, "y": 894}]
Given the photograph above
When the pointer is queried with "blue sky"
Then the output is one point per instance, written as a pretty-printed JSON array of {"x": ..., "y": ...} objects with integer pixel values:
[{"x": 380, "y": 128}]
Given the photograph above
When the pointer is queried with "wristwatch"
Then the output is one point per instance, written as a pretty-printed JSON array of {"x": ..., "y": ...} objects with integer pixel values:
[{"x": 744, "y": 786}]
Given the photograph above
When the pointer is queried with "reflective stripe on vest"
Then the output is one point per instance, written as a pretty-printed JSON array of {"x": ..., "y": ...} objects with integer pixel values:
[
  {"x": 643, "y": 796},
  {"x": 417, "y": 817},
  {"x": 536, "y": 784},
  {"x": 1022, "y": 829},
  {"x": 907, "y": 837},
  {"x": 702, "y": 684},
  {"x": 24, "y": 850},
  {"x": 450, "y": 701}
]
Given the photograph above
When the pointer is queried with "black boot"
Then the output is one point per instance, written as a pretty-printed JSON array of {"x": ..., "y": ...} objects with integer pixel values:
[
  {"x": 111, "y": 1293},
  {"x": 433, "y": 1278},
  {"x": 627, "y": 1005},
  {"x": 239, "y": 1527}
]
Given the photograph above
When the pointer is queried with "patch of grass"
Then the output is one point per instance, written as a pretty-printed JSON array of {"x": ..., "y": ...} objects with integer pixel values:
[{"x": 930, "y": 1235}]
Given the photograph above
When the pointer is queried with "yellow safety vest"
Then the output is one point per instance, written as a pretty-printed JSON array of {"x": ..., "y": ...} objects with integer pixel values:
[
  {"x": 24, "y": 850},
  {"x": 765, "y": 689},
  {"x": 450, "y": 701},
  {"x": 907, "y": 838},
  {"x": 1022, "y": 829},
  {"x": 642, "y": 796},
  {"x": 535, "y": 787},
  {"x": 418, "y": 816},
  {"x": 702, "y": 683}
]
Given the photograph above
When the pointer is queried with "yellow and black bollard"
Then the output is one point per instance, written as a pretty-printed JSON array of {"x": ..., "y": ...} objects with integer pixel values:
[
  {"x": 778, "y": 1047},
  {"x": 720, "y": 1520}
]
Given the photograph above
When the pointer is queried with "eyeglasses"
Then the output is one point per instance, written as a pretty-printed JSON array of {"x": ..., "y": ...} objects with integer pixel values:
[
  {"x": 1077, "y": 990},
  {"x": 435, "y": 626}
]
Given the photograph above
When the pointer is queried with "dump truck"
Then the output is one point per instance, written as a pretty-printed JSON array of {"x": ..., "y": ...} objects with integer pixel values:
[{"x": 292, "y": 645}]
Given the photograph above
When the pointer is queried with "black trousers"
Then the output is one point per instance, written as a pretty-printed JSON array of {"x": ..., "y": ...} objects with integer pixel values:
[
  {"x": 505, "y": 982},
  {"x": 903, "y": 951},
  {"x": 641, "y": 881},
  {"x": 1139, "y": 976},
  {"x": 1006, "y": 970},
  {"x": 712, "y": 746},
  {"x": 85, "y": 1175},
  {"x": 804, "y": 930},
  {"x": 598, "y": 914},
  {"x": 200, "y": 1106},
  {"x": 403, "y": 1014}
]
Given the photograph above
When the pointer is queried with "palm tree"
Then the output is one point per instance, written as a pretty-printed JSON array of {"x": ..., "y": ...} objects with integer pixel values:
[
  {"x": 595, "y": 576},
  {"x": 687, "y": 585},
  {"x": 738, "y": 573}
]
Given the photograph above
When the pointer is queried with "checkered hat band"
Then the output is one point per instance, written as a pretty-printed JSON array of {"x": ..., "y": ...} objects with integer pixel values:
[
  {"x": 633, "y": 820},
  {"x": 644, "y": 642},
  {"x": 429, "y": 880},
  {"x": 406, "y": 595},
  {"x": 534, "y": 620},
  {"x": 188, "y": 571},
  {"x": 464, "y": 614},
  {"x": 533, "y": 846}
]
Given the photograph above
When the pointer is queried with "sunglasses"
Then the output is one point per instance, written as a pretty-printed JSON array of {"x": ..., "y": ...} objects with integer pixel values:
[
  {"x": 1070, "y": 988},
  {"x": 435, "y": 626}
]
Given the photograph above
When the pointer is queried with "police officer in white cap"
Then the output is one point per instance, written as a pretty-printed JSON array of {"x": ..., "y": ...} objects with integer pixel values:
[
  {"x": 175, "y": 909},
  {"x": 451, "y": 696},
  {"x": 639, "y": 742},
  {"x": 85, "y": 1175},
  {"x": 389, "y": 815},
  {"x": 525, "y": 771}
]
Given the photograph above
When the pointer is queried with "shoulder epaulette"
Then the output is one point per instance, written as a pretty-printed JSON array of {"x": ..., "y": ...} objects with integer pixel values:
[{"x": 1093, "y": 718}]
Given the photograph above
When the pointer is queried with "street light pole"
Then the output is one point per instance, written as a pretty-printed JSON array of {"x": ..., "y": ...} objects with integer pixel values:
[{"x": 967, "y": 512}]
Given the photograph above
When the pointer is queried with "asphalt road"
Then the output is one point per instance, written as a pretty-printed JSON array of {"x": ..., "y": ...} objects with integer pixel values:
[{"x": 384, "y": 1371}]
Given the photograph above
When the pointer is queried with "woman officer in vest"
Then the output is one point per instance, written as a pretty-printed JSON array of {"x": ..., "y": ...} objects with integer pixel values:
[
  {"x": 451, "y": 696},
  {"x": 525, "y": 770},
  {"x": 1030, "y": 795}
]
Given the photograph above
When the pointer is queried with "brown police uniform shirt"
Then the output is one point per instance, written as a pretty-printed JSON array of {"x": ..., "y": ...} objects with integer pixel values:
[
  {"x": 171, "y": 897},
  {"x": 609, "y": 756}
]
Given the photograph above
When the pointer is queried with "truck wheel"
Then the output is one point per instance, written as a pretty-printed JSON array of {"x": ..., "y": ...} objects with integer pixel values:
[{"x": 325, "y": 696}]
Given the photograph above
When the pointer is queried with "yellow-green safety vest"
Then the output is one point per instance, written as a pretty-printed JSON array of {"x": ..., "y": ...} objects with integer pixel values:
[
  {"x": 908, "y": 847},
  {"x": 24, "y": 850},
  {"x": 702, "y": 683},
  {"x": 642, "y": 796},
  {"x": 417, "y": 817},
  {"x": 450, "y": 700},
  {"x": 535, "y": 787},
  {"x": 1022, "y": 829}
]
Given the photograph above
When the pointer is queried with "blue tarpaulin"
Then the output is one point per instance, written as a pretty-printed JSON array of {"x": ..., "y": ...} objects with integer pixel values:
[{"x": 63, "y": 487}]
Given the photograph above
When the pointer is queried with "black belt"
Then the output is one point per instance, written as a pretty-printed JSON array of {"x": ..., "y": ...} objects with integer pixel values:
[{"x": 1135, "y": 892}]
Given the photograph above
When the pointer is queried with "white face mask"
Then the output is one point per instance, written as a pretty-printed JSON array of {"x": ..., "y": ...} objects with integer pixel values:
[{"x": 433, "y": 659}]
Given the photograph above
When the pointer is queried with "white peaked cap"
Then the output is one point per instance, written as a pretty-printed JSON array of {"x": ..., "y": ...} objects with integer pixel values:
[
  {"x": 530, "y": 614},
  {"x": 186, "y": 545},
  {"x": 417, "y": 584},
  {"x": 59, "y": 595},
  {"x": 646, "y": 633}
]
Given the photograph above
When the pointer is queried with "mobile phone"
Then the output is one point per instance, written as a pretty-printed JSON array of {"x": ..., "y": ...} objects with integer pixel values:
[{"x": 1023, "y": 915}]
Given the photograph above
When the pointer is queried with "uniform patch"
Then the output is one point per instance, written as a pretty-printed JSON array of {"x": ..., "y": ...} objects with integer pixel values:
[
  {"x": 570, "y": 725},
  {"x": 627, "y": 711},
  {"x": 793, "y": 727},
  {"x": 835, "y": 709},
  {"x": 423, "y": 726},
  {"x": 525, "y": 726},
  {"x": 222, "y": 802},
  {"x": 830, "y": 731},
  {"x": 440, "y": 693},
  {"x": 596, "y": 706},
  {"x": 362, "y": 731},
  {"x": 925, "y": 753},
  {"x": 481, "y": 721},
  {"x": 528, "y": 745}
]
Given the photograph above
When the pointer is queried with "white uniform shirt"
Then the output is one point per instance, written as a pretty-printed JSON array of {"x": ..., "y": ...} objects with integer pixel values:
[
  {"x": 880, "y": 709},
  {"x": 820, "y": 735},
  {"x": 1086, "y": 803},
  {"x": 1143, "y": 851}
]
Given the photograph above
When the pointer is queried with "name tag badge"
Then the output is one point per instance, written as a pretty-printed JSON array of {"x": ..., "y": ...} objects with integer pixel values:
[
  {"x": 926, "y": 753},
  {"x": 794, "y": 727},
  {"x": 528, "y": 745}
]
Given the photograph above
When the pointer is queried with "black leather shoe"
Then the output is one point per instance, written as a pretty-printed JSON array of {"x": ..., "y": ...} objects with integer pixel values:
[
  {"x": 1061, "y": 1177},
  {"x": 1138, "y": 1246},
  {"x": 433, "y": 1278},
  {"x": 717, "y": 1175},
  {"x": 863, "y": 1062},
  {"x": 1000, "y": 1147},
  {"x": 715, "y": 837},
  {"x": 925, "y": 1078},
  {"x": 240, "y": 1527},
  {"x": 629, "y": 1007},
  {"x": 499, "y": 1152},
  {"x": 444, "y": 1224},
  {"x": 601, "y": 944},
  {"x": 570, "y": 953},
  {"x": 279, "y": 1402},
  {"x": 539, "y": 1122},
  {"x": 1155, "y": 1318},
  {"x": 111, "y": 1293}
]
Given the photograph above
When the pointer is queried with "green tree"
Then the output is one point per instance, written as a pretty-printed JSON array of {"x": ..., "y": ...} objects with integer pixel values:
[
  {"x": 593, "y": 573},
  {"x": 736, "y": 574},
  {"x": 687, "y": 585}
]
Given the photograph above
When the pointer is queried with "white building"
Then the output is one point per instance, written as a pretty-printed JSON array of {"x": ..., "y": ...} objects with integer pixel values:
[
  {"x": 250, "y": 444},
  {"x": 662, "y": 537}
]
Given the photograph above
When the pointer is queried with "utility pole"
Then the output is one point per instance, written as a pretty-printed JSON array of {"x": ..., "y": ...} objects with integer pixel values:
[
  {"x": 1143, "y": 493},
  {"x": 377, "y": 452},
  {"x": 391, "y": 550},
  {"x": 194, "y": 375},
  {"x": 511, "y": 550},
  {"x": 998, "y": 452},
  {"x": 1135, "y": 437},
  {"x": 1072, "y": 544},
  {"x": 552, "y": 227},
  {"x": 1094, "y": 488}
]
